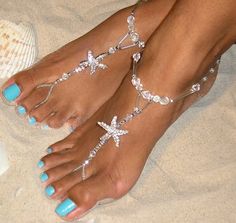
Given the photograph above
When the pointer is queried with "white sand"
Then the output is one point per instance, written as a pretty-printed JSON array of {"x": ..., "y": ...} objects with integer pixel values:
[{"x": 190, "y": 176}]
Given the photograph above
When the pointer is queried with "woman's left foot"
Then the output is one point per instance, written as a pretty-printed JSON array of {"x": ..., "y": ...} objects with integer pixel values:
[{"x": 114, "y": 171}]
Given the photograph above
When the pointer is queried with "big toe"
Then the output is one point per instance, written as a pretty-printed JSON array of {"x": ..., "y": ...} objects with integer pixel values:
[
  {"x": 18, "y": 86},
  {"x": 83, "y": 197}
]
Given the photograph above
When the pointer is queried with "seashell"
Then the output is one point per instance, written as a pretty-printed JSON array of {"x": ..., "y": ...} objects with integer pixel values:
[
  {"x": 4, "y": 165},
  {"x": 18, "y": 48}
]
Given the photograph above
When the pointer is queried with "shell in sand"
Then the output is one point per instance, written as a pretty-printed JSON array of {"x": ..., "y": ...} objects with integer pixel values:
[{"x": 18, "y": 49}]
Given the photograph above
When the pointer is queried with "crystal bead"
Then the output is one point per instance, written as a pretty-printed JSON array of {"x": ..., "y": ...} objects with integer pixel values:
[
  {"x": 205, "y": 78},
  {"x": 164, "y": 100},
  {"x": 65, "y": 76},
  {"x": 212, "y": 70},
  {"x": 137, "y": 110},
  {"x": 136, "y": 57},
  {"x": 131, "y": 19},
  {"x": 86, "y": 162},
  {"x": 141, "y": 44},
  {"x": 134, "y": 81},
  {"x": 131, "y": 28},
  {"x": 78, "y": 69},
  {"x": 92, "y": 154},
  {"x": 134, "y": 37},
  {"x": 156, "y": 99},
  {"x": 196, "y": 87},
  {"x": 146, "y": 95},
  {"x": 112, "y": 50}
]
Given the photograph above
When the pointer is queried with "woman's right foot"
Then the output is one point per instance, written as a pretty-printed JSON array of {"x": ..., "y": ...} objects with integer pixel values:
[{"x": 82, "y": 95}]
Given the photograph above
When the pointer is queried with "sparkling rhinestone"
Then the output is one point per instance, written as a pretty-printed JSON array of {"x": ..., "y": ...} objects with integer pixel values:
[
  {"x": 65, "y": 76},
  {"x": 146, "y": 95},
  {"x": 134, "y": 81},
  {"x": 86, "y": 162},
  {"x": 92, "y": 154},
  {"x": 134, "y": 37},
  {"x": 112, "y": 50},
  {"x": 137, "y": 110},
  {"x": 141, "y": 44},
  {"x": 196, "y": 87},
  {"x": 205, "y": 78},
  {"x": 131, "y": 28},
  {"x": 131, "y": 19},
  {"x": 212, "y": 70},
  {"x": 78, "y": 69},
  {"x": 156, "y": 98},
  {"x": 164, "y": 100},
  {"x": 136, "y": 57}
]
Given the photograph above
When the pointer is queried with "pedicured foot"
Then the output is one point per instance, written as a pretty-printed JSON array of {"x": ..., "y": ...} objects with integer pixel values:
[
  {"x": 119, "y": 162},
  {"x": 80, "y": 96}
]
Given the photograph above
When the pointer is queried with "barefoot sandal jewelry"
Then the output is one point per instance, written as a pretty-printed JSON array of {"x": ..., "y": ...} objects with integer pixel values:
[
  {"x": 114, "y": 130},
  {"x": 95, "y": 62}
]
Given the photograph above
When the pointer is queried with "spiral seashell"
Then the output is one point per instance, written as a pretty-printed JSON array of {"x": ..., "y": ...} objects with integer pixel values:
[{"x": 18, "y": 49}]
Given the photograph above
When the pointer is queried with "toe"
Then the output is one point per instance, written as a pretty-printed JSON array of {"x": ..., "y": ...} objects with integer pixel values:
[
  {"x": 56, "y": 159},
  {"x": 59, "y": 118},
  {"x": 61, "y": 185},
  {"x": 57, "y": 174},
  {"x": 84, "y": 196},
  {"x": 19, "y": 86},
  {"x": 34, "y": 98},
  {"x": 64, "y": 144},
  {"x": 43, "y": 112}
]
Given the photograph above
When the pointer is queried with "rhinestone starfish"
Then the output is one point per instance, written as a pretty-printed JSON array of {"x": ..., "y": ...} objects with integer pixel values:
[
  {"x": 94, "y": 62},
  {"x": 112, "y": 131}
]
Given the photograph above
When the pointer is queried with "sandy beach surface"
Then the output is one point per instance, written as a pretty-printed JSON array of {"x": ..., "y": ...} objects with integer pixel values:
[{"x": 190, "y": 176}]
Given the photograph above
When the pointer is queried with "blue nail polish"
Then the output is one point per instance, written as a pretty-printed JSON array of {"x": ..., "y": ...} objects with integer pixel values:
[
  {"x": 50, "y": 190},
  {"x": 45, "y": 127},
  {"x": 44, "y": 177},
  {"x": 12, "y": 92},
  {"x": 32, "y": 120},
  {"x": 64, "y": 208},
  {"x": 40, "y": 164},
  {"x": 21, "y": 110},
  {"x": 49, "y": 150}
]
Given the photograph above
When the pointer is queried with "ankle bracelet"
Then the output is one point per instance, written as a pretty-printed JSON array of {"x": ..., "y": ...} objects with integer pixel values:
[
  {"x": 113, "y": 130},
  {"x": 94, "y": 62},
  {"x": 164, "y": 100}
]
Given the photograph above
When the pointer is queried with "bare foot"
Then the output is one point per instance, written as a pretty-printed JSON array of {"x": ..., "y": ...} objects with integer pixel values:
[
  {"x": 82, "y": 95},
  {"x": 114, "y": 171}
]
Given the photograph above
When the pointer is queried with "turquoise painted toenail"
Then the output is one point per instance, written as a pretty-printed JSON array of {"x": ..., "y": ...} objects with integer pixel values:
[
  {"x": 44, "y": 177},
  {"x": 32, "y": 120},
  {"x": 40, "y": 164},
  {"x": 49, "y": 150},
  {"x": 45, "y": 127},
  {"x": 64, "y": 208},
  {"x": 21, "y": 110},
  {"x": 50, "y": 190},
  {"x": 12, "y": 92}
]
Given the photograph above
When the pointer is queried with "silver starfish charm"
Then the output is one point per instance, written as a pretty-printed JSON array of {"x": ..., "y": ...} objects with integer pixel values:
[
  {"x": 94, "y": 62},
  {"x": 112, "y": 131}
]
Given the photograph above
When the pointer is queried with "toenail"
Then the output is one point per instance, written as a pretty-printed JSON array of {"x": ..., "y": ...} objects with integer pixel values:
[
  {"x": 44, "y": 177},
  {"x": 32, "y": 120},
  {"x": 21, "y": 110},
  {"x": 45, "y": 127},
  {"x": 12, "y": 92},
  {"x": 49, "y": 150},
  {"x": 64, "y": 208},
  {"x": 40, "y": 164},
  {"x": 50, "y": 190}
]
